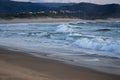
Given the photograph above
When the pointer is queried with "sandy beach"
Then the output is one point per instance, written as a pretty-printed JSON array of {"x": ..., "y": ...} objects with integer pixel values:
[
  {"x": 36, "y": 20},
  {"x": 51, "y": 20},
  {"x": 20, "y": 66},
  {"x": 59, "y": 40}
]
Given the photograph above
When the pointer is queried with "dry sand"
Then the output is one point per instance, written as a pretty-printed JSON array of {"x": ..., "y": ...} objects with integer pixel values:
[
  {"x": 22, "y": 66},
  {"x": 50, "y": 20},
  {"x": 37, "y": 20}
]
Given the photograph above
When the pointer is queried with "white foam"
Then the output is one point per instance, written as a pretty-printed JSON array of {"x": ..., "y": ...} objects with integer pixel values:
[
  {"x": 94, "y": 59},
  {"x": 62, "y": 33},
  {"x": 99, "y": 44},
  {"x": 61, "y": 43},
  {"x": 64, "y": 28},
  {"x": 74, "y": 34}
]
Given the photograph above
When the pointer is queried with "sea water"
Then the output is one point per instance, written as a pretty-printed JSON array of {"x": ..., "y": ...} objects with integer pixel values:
[{"x": 95, "y": 44}]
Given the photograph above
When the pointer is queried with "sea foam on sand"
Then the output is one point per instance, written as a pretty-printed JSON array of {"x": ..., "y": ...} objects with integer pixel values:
[{"x": 83, "y": 44}]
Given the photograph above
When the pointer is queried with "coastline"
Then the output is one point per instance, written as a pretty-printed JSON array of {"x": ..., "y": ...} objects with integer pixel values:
[
  {"x": 37, "y": 20},
  {"x": 49, "y": 20},
  {"x": 27, "y": 67},
  {"x": 21, "y": 66}
]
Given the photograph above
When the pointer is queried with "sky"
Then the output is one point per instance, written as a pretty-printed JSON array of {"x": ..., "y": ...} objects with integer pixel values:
[{"x": 76, "y": 1}]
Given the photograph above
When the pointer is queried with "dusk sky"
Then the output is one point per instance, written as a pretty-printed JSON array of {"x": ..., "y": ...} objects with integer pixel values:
[{"x": 77, "y": 1}]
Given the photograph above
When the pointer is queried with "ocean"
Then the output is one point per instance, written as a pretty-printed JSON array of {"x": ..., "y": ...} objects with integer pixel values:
[{"x": 93, "y": 44}]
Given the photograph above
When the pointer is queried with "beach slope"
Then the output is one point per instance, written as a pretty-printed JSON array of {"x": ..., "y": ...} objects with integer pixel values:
[{"x": 21, "y": 66}]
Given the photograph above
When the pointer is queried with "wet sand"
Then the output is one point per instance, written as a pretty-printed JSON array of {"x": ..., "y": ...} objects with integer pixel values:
[{"x": 21, "y": 66}]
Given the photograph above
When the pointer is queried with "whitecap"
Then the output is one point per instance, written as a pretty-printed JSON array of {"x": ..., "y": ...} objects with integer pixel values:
[
  {"x": 64, "y": 28},
  {"x": 99, "y": 44},
  {"x": 91, "y": 60}
]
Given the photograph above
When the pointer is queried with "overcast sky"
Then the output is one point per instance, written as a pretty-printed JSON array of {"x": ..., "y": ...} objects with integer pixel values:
[{"x": 91, "y": 1}]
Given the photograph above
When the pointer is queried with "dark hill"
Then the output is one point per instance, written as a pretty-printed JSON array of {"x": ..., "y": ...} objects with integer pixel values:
[
  {"x": 93, "y": 11},
  {"x": 55, "y": 5},
  {"x": 7, "y": 6},
  {"x": 80, "y": 10}
]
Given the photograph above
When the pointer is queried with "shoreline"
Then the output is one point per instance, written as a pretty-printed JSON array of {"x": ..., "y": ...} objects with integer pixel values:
[
  {"x": 50, "y": 20},
  {"x": 37, "y": 20},
  {"x": 29, "y": 67},
  {"x": 34, "y": 68}
]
